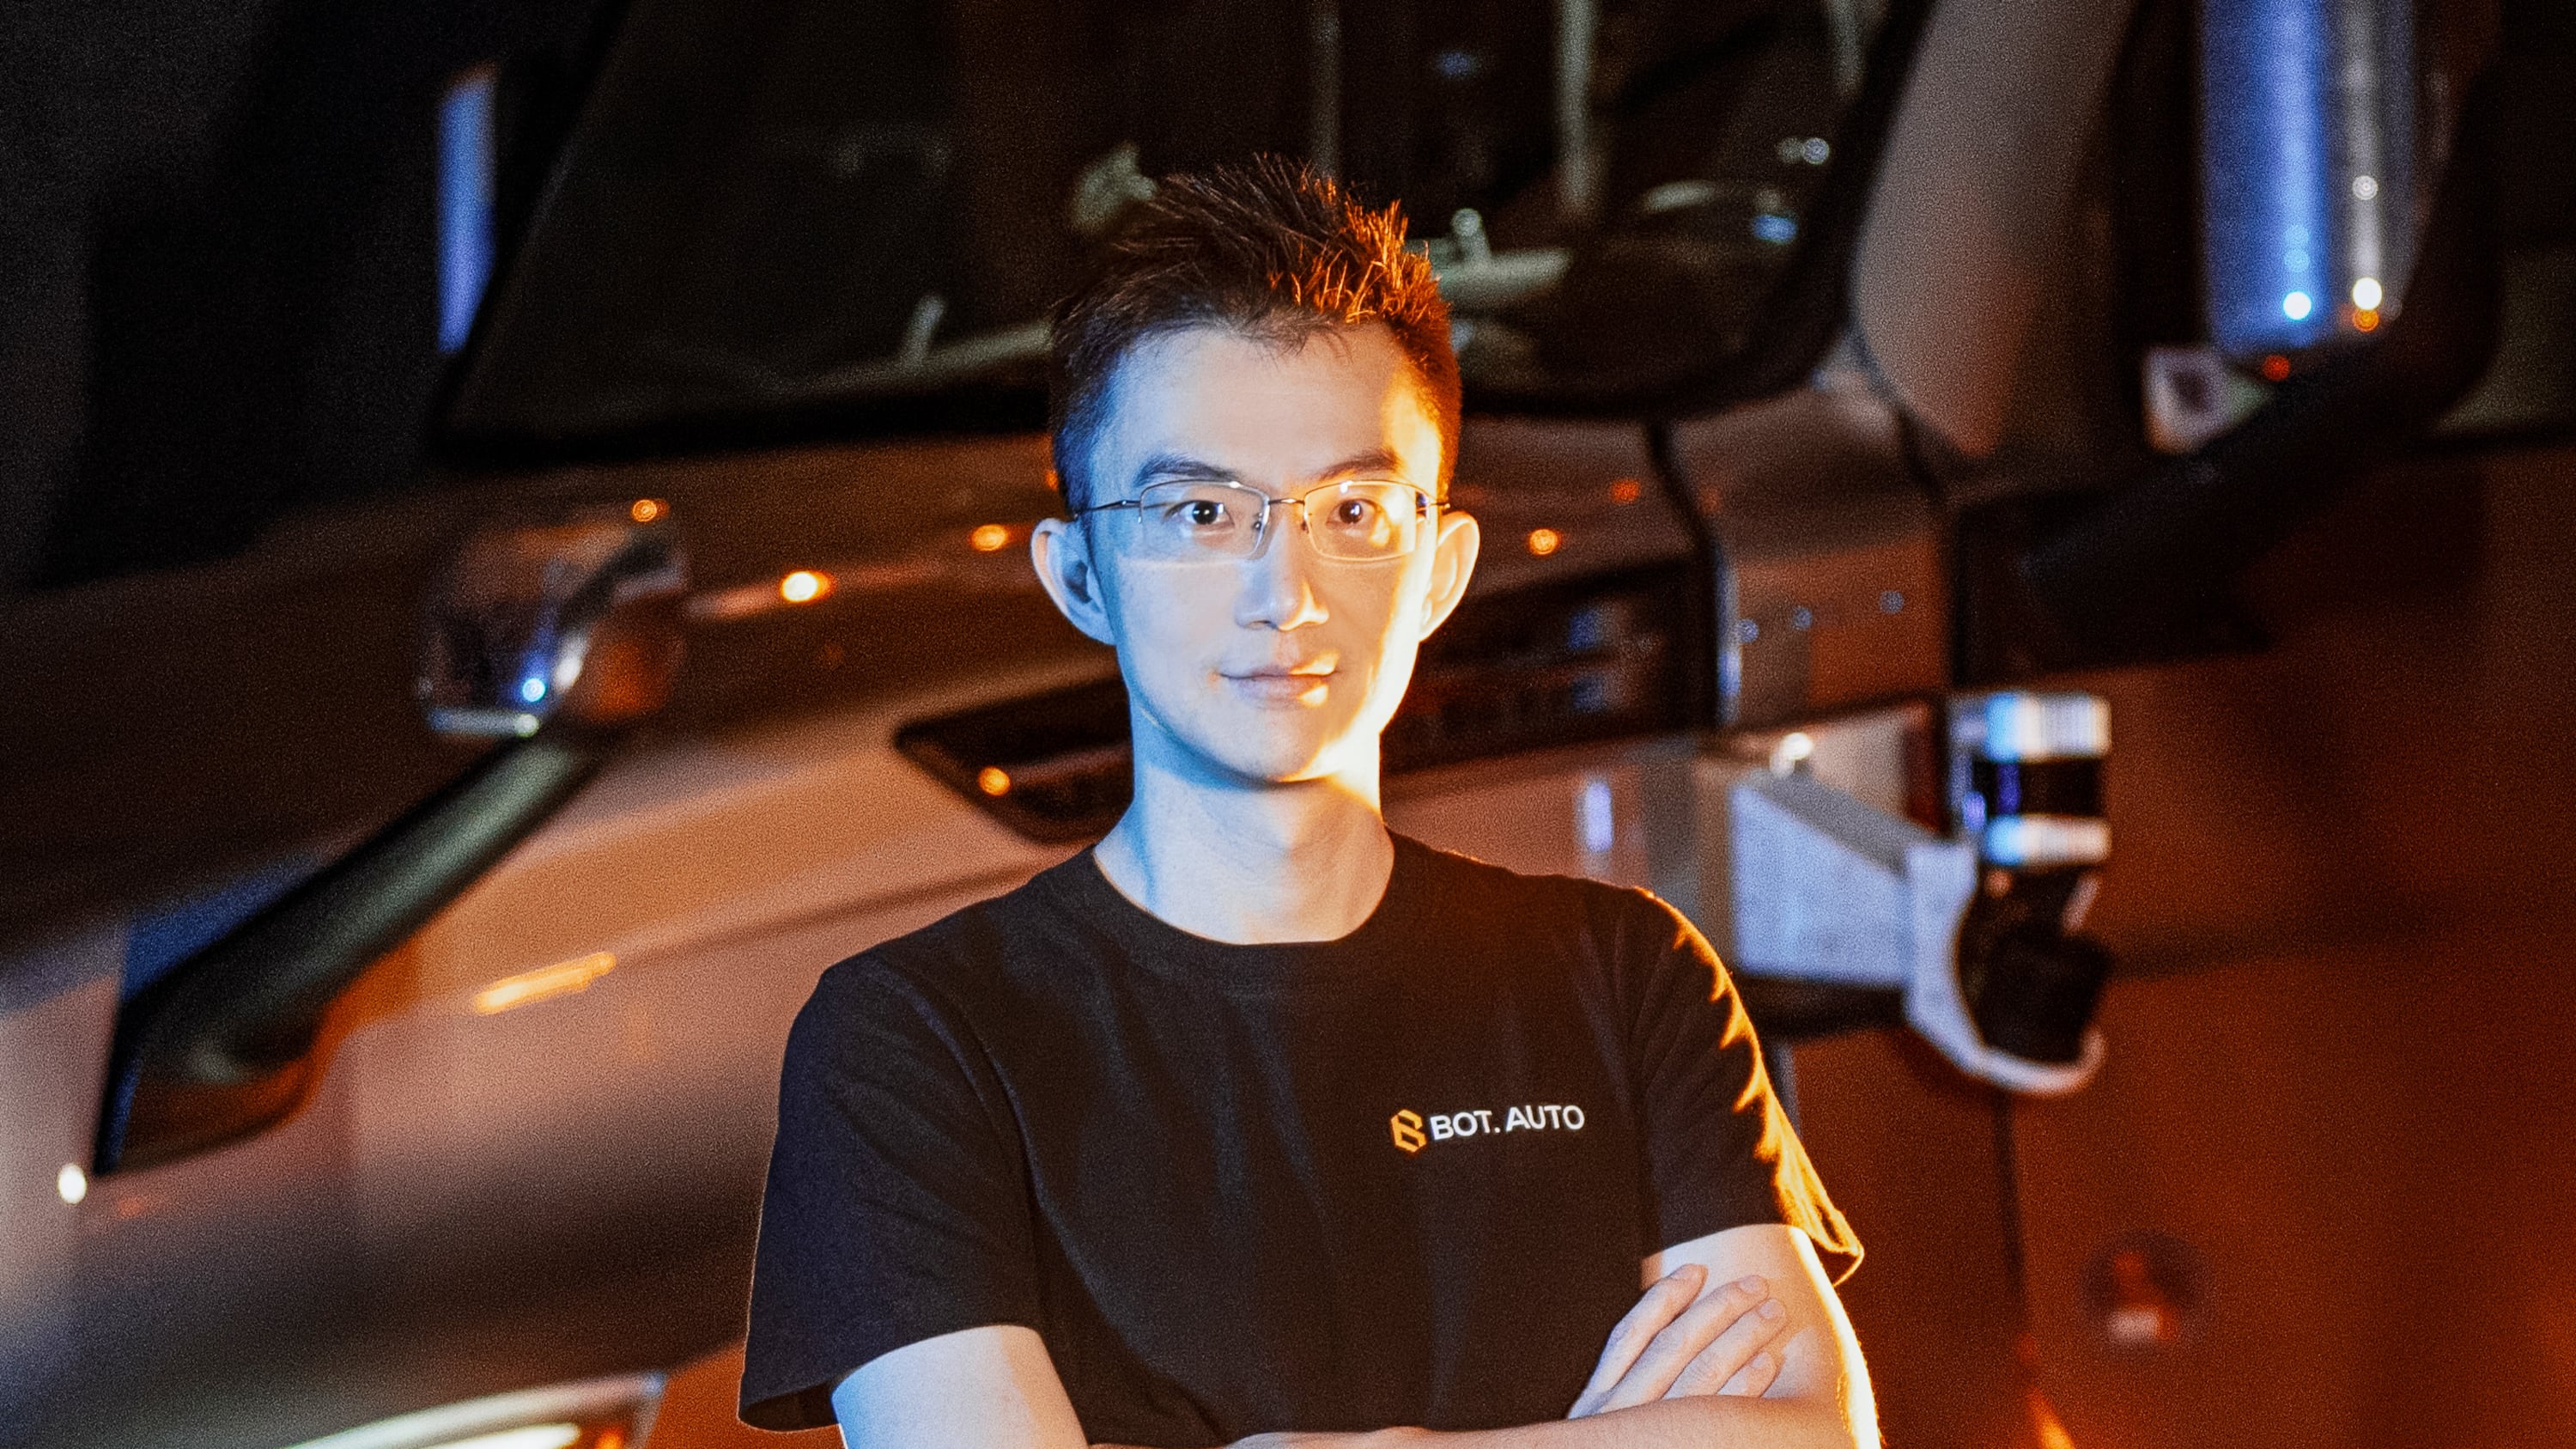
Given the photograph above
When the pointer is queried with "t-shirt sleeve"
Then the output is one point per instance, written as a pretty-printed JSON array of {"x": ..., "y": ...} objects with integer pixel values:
[
  {"x": 1720, "y": 1152},
  {"x": 896, "y": 1207}
]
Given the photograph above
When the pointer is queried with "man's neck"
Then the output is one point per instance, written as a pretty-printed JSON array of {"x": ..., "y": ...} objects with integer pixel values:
[{"x": 1251, "y": 864}]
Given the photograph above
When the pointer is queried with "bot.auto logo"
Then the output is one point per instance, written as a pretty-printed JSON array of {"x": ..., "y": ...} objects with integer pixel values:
[
  {"x": 1412, "y": 1131},
  {"x": 1407, "y": 1127}
]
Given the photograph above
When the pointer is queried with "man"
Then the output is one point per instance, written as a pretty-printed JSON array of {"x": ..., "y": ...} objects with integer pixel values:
[{"x": 1256, "y": 1120}]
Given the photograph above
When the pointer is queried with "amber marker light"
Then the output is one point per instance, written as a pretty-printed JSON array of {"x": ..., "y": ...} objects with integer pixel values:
[
  {"x": 804, "y": 586},
  {"x": 1545, "y": 541},
  {"x": 1627, "y": 491},
  {"x": 993, "y": 780},
  {"x": 2045, "y": 1426},
  {"x": 989, "y": 538},
  {"x": 645, "y": 510},
  {"x": 561, "y": 979},
  {"x": 2365, "y": 319}
]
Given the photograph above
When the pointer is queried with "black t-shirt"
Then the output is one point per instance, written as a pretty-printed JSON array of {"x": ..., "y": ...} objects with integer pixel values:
[{"x": 1404, "y": 1177}]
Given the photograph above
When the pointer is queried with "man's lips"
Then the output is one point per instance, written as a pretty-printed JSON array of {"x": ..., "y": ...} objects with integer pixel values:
[{"x": 1284, "y": 683}]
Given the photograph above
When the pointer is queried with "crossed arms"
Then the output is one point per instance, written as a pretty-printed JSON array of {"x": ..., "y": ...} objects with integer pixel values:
[{"x": 1701, "y": 1361}]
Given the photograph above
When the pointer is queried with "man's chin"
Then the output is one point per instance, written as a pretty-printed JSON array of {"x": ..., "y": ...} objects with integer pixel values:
[
  {"x": 1276, "y": 763},
  {"x": 1254, "y": 748},
  {"x": 1278, "y": 772}
]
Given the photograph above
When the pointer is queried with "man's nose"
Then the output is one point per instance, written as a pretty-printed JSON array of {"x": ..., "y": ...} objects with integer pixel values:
[{"x": 1279, "y": 587}]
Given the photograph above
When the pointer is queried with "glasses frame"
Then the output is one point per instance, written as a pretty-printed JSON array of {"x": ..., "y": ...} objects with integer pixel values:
[{"x": 1426, "y": 507}]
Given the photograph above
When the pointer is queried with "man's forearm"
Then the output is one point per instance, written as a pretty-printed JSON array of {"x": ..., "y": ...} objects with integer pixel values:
[{"x": 1707, "y": 1422}]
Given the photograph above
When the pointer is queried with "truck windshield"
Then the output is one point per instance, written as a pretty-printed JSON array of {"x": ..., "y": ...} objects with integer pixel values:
[{"x": 857, "y": 214}]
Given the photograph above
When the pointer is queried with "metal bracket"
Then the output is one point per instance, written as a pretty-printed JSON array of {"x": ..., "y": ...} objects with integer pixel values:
[{"x": 1801, "y": 881}]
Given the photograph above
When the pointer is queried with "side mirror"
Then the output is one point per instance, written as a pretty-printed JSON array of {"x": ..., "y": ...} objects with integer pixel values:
[
  {"x": 548, "y": 637},
  {"x": 574, "y": 621}
]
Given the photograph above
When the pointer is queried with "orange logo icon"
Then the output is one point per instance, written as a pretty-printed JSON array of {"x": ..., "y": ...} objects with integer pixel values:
[{"x": 1407, "y": 1129}]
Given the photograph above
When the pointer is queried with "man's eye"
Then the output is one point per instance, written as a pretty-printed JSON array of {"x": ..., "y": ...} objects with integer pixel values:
[{"x": 1203, "y": 512}]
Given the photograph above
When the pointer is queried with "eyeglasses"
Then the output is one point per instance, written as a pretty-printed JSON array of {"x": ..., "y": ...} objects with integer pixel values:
[{"x": 1360, "y": 520}]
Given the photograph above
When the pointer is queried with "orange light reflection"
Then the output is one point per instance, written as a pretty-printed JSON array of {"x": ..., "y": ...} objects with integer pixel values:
[
  {"x": 804, "y": 586},
  {"x": 561, "y": 979},
  {"x": 2045, "y": 1426},
  {"x": 1545, "y": 541}
]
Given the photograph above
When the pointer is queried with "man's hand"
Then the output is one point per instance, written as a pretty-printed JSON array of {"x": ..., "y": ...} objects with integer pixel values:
[{"x": 1679, "y": 1343}]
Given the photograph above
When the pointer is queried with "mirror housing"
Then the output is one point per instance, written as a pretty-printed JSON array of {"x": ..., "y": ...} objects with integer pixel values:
[{"x": 578, "y": 621}]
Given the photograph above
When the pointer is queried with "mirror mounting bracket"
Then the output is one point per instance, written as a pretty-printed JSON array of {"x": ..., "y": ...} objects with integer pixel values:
[{"x": 230, "y": 1041}]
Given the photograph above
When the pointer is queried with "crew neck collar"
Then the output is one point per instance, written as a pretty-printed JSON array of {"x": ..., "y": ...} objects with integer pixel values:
[{"x": 1164, "y": 947}]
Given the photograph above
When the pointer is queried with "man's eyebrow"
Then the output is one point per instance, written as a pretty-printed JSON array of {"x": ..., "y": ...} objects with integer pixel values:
[
  {"x": 1179, "y": 467},
  {"x": 1375, "y": 463},
  {"x": 1182, "y": 468}
]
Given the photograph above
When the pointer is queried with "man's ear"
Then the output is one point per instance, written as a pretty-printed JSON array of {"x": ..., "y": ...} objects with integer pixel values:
[
  {"x": 1060, "y": 550},
  {"x": 1453, "y": 563}
]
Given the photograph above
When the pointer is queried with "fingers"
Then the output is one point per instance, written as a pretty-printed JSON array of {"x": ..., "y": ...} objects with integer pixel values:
[
  {"x": 1757, "y": 1377},
  {"x": 1661, "y": 1304},
  {"x": 1734, "y": 1351},
  {"x": 1670, "y": 1351}
]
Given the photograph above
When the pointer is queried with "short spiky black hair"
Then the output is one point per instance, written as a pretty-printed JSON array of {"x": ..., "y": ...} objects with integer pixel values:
[{"x": 1266, "y": 248}]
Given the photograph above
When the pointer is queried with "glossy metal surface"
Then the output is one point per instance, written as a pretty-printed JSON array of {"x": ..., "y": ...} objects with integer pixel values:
[{"x": 1832, "y": 593}]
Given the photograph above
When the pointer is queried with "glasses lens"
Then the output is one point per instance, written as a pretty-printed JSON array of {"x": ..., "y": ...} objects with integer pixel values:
[
  {"x": 1364, "y": 519},
  {"x": 1198, "y": 520}
]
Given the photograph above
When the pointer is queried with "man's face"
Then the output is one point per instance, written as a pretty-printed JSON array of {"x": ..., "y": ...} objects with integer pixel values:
[{"x": 1286, "y": 665}]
